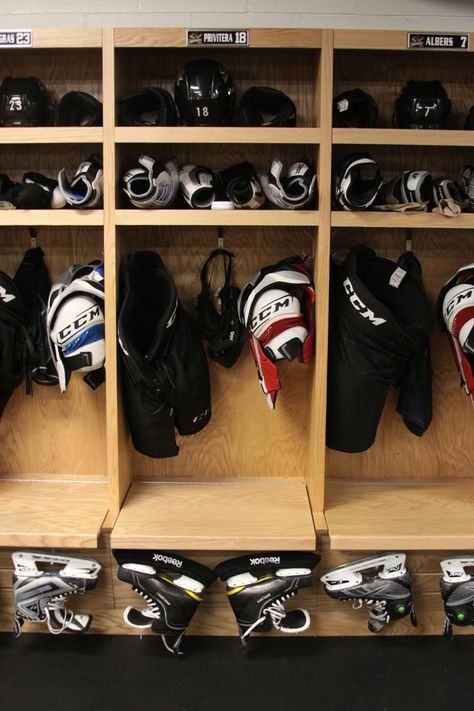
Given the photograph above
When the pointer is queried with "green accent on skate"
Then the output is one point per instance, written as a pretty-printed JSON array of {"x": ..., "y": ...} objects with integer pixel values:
[
  {"x": 461, "y": 616},
  {"x": 401, "y": 609}
]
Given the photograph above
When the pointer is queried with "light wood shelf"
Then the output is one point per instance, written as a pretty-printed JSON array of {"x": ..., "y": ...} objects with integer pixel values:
[
  {"x": 218, "y": 134},
  {"x": 411, "y": 220},
  {"x": 220, "y": 515},
  {"x": 62, "y": 514},
  {"x": 52, "y": 134},
  {"x": 402, "y": 137},
  {"x": 54, "y": 38},
  {"x": 58, "y": 218},
  {"x": 269, "y": 218},
  {"x": 380, "y": 516}
]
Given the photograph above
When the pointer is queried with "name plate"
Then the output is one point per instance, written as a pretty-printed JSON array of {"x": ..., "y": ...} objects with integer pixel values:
[
  {"x": 15, "y": 38},
  {"x": 437, "y": 41},
  {"x": 239, "y": 38}
]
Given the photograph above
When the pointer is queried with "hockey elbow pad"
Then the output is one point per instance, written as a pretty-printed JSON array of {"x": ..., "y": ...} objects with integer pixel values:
[
  {"x": 259, "y": 584},
  {"x": 87, "y": 186},
  {"x": 171, "y": 584},
  {"x": 197, "y": 185},
  {"x": 242, "y": 187},
  {"x": 152, "y": 185},
  {"x": 293, "y": 191}
]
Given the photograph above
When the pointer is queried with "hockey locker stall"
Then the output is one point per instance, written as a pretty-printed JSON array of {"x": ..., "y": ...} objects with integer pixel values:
[{"x": 252, "y": 480}]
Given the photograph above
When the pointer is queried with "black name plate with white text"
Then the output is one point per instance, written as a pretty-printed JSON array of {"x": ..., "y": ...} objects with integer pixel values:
[
  {"x": 437, "y": 41},
  {"x": 239, "y": 38}
]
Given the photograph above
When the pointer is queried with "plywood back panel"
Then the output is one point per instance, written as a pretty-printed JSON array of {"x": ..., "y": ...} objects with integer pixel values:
[
  {"x": 51, "y": 435},
  {"x": 291, "y": 71},
  {"x": 382, "y": 74},
  {"x": 447, "y": 448},
  {"x": 244, "y": 438},
  {"x": 60, "y": 70}
]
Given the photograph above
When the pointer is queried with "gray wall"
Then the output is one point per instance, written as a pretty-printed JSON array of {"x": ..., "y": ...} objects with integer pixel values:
[{"x": 449, "y": 15}]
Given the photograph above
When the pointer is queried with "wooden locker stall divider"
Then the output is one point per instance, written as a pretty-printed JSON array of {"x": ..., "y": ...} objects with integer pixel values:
[
  {"x": 252, "y": 479},
  {"x": 53, "y": 470}
]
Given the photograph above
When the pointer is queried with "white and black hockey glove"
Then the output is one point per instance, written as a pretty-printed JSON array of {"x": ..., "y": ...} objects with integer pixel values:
[
  {"x": 197, "y": 185},
  {"x": 86, "y": 188},
  {"x": 152, "y": 185},
  {"x": 295, "y": 190},
  {"x": 242, "y": 187}
]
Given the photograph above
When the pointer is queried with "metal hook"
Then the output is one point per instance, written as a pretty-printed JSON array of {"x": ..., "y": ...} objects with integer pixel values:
[
  {"x": 33, "y": 237},
  {"x": 408, "y": 241},
  {"x": 220, "y": 238}
]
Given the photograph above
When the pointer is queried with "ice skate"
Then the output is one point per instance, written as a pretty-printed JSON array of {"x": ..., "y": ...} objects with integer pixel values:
[
  {"x": 41, "y": 595},
  {"x": 258, "y": 586},
  {"x": 172, "y": 587},
  {"x": 457, "y": 590},
  {"x": 386, "y": 591}
]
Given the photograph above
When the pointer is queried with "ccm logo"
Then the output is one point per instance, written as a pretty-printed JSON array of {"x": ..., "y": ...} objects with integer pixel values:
[
  {"x": 272, "y": 308},
  {"x": 360, "y": 306},
  {"x": 84, "y": 318},
  {"x": 468, "y": 294}
]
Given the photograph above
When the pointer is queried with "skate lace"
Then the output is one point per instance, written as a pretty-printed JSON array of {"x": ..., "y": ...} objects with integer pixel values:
[
  {"x": 377, "y": 609},
  {"x": 58, "y": 603},
  {"x": 276, "y": 611},
  {"x": 152, "y": 608}
]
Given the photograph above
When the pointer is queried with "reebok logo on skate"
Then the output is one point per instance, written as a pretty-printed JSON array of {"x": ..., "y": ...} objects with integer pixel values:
[
  {"x": 360, "y": 306},
  {"x": 167, "y": 560},
  {"x": 265, "y": 560}
]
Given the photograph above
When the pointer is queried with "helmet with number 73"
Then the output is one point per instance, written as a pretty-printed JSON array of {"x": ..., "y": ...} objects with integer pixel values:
[{"x": 204, "y": 94}]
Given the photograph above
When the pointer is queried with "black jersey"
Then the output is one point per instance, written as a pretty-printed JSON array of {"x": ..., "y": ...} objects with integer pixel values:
[
  {"x": 380, "y": 321},
  {"x": 165, "y": 374}
]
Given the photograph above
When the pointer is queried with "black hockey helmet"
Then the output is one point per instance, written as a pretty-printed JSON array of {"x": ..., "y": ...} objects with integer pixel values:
[
  {"x": 204, "y": 94},
  {"x": 354, "y": 109},
  {"x": 264, "y": 106},
  {"x": 77, "y": 108},
  {"x": 357, "y": 182},
  {"x": 150, "y": 106},
  {"x": 24, "y": 102},
  {"x": 422, "y": 104}
]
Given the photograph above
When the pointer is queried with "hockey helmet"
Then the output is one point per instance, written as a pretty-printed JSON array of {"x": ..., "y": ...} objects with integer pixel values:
[
  {"x": 75, "y": 321},
  {"x": 456, "y": 316},
  {"x": 357, "y": 182},
  {"x": 412, "y": 186},
  {"x": 204, "y": 94},
  {"x": 150, "y": 106},
  {"x": 277, "y": 307},
  {"x": 422, "y": 104},
  {"x": 24, "y": 102},
  {"x": 265, "y": 106},
  {"x": 354, "y": 109},
  {"x": 77, "y": 108}
]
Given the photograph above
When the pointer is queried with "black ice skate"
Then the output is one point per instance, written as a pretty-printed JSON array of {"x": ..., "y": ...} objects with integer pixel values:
[
  {"x": 41, "y": 595},
  {"x": 258, "y": 585},
  {"x": 457, "y": 590},
  {"x": 171, "y": 585},
  {"x": 386, "y": 592}
]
